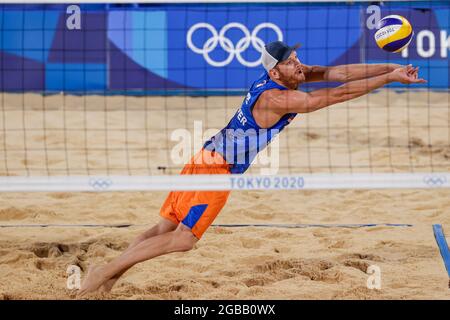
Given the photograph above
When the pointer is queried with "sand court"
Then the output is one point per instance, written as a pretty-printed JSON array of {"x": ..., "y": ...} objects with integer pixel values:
[{"x": 80, "y": 135}]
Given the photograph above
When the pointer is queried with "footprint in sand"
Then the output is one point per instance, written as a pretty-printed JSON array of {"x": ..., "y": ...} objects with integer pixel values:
[
  {"x": 221, "y": 230},
  {"x": 7, "y": 296},
  {"x": 257, "y": 281},
  {"x": 228, "y": 273},
  {"x": 44, "y": 265},
  {"x": 275, "y": 234},
  {"x": 340, "y": 244},
  {"x": 316, "y": 270},
  {"x": 357, "y": 264},
  {"x": 261, "y": 211},
  {"x": 213, "y": 283},
  {"x": 60, "y": 195},
  {"x": 363, "y": 256},
  {"x": 250, "y": 243},
  {"x": 54, "y": 249},
  {"x": 13, "y": 213},
  {"x": 360, "y": 261}
]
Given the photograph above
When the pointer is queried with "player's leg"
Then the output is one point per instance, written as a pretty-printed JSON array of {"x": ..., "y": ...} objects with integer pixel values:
[
  {"x": 204, "y": 208},
  {"x": 196, "y": 211},
  {"x": 181, "y": 239},
  {"x": 169, "y": 221},
  {"x": 163, "y": 226}
]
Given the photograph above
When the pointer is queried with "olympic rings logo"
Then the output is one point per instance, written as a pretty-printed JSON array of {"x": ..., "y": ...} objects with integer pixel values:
[
  {"x": 435, "y": 180},
  {"x": 219, "y": 38},
  {"x": 100, "y": 184}
]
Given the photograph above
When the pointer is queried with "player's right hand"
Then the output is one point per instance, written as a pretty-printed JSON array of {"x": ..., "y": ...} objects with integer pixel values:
[{"x": 406, "y": 75}]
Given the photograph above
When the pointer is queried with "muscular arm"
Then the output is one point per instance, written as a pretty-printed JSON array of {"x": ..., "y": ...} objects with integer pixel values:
[
  {"x": 347, "y": 72},
  {"x": 287, "y": 101}
]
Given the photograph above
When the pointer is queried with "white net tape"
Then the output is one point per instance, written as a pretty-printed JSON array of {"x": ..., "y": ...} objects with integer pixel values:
[{"x": 226, "y": 182}]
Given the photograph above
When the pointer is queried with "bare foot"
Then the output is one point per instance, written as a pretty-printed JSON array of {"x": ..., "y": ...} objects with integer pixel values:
[
  {"x": 108, "y": 285},
  {"x": 93, "y": 280}
]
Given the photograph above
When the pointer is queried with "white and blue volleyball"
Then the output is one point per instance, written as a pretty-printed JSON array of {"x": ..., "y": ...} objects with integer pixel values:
[{"x": 394, "y": 33}]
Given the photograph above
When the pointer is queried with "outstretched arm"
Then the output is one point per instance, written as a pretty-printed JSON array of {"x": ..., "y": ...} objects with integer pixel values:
[
  {"x": 293, "y": 101},
  {"x": 347, "y": 72}
]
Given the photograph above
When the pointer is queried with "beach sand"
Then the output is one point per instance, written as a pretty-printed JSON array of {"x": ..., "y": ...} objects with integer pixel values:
[{"x": 382, "y": 132}]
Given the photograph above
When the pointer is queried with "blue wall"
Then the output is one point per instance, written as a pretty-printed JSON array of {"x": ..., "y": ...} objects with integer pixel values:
[{"x": 135, "y": 48}]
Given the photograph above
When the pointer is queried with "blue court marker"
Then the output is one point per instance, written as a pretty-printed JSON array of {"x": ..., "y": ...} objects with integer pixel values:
[{"x": 443, "y": 247}]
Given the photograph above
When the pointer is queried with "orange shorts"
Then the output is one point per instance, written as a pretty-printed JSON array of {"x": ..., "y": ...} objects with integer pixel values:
[{"x": 197, "y": 209}]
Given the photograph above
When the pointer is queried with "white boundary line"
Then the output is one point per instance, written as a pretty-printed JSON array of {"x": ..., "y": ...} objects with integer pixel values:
[
  {"x": 225, "y": 182},
  {"x": 229, "y": 225}
]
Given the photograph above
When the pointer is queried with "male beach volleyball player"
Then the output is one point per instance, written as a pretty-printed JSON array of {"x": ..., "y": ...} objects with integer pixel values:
[{"x": 271, "y": 103}]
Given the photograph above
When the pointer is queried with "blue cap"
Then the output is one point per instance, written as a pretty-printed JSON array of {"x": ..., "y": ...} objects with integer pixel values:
[{"x": 275, "y": 52}]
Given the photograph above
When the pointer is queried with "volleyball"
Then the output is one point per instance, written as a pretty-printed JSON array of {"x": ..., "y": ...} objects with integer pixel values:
[{"x": 394, "y": 33}]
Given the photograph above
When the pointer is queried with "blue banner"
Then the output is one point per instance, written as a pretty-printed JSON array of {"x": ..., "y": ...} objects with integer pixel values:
[{"x": 203, "y": 48}]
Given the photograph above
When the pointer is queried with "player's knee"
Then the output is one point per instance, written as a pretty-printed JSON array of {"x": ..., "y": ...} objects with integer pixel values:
[
  {"x": 183, "y": 240},
  {"x": 165, "y": 225}
]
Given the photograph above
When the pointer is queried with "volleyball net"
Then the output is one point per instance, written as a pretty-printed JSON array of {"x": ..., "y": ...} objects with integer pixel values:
[{"x": 118, "y": 96}]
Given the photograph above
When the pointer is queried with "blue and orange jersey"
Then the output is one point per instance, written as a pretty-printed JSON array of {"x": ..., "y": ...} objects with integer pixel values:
[{"x": 241, "y": 140}]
